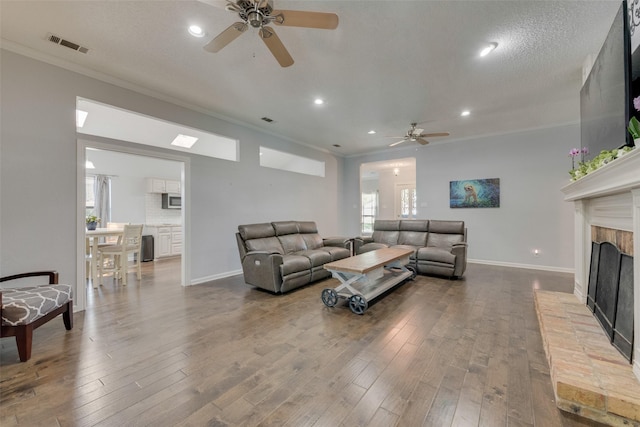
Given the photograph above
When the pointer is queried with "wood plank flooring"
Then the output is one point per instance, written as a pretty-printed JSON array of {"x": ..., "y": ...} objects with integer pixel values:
[{"x": 432, "y": 352}]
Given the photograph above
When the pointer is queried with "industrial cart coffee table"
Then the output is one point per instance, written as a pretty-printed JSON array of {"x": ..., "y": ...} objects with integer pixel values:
[{"x": 366, "y": 276}]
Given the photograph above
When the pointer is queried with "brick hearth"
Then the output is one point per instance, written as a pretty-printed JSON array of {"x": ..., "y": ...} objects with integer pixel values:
[{"x": 590, "y": 378}]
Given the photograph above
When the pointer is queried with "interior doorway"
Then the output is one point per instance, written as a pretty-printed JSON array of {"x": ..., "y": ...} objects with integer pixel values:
[
  {"x": 387, "y": 191},
  {"x": 128, "y": 169}
]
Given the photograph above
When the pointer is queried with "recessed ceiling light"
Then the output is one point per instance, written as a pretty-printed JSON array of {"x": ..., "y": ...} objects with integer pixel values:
[
  {"x": 81, "y": 116},
  {"x": 185, "y": 141},
  {"x": 196, "y": 31},
  {"x": 488, "y": 49},
  {"x": 465, "y": 113},
  {"x": 89, "y": 165},
  {"x": 371, "y": 132},
  {"x": 318, "y": 101}
]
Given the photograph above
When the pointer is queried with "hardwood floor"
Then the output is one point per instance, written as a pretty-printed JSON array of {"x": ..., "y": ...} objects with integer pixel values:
[{"x": 432, "y": 352}]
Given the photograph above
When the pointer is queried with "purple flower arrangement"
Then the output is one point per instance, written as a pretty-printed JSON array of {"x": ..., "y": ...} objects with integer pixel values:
[{"x": 575, "y": 152}]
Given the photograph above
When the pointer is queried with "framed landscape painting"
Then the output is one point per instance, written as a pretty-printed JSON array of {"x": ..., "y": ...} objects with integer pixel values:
[{"x": 475, "y": 193}]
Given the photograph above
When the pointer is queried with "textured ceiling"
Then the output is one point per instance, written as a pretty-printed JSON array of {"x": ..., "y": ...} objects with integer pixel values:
[{"x": 387, "y": 64}]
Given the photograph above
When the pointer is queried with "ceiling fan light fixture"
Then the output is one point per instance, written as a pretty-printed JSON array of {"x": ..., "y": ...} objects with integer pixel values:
[
  {"x": 488, "y": 49},
  {"x": 196, "y": 31}
]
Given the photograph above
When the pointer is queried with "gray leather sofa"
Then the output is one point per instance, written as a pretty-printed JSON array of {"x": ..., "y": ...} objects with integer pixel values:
[
  {"x": 284, "y": 255},
  {"x": 439, "y": 247}
]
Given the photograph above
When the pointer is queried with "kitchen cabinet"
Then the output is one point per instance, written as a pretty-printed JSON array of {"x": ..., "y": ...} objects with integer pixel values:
[
  {"x": 157, "y": 185},
  {"x": 167, "y": 240}
]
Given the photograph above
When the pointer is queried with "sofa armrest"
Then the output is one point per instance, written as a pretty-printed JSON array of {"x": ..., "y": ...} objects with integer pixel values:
[
  {"x": 460, "y": 251},
  {"x": 262, "y": 269},
  {"x": 359, "y": 241}
]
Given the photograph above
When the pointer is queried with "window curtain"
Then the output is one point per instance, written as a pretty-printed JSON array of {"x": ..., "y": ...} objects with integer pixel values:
[{"x": 102, "y": 193}]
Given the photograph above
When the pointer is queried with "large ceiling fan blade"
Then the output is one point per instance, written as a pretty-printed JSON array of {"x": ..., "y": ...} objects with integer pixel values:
[
  {"x": 422, "y": 141},
  {"x": 393, "y": 144},
  {"x": 271, "y": 39},
  {"x": 226, "y": 37},
  {"x": 428, "y": 135},
  {"x": 299, "y": 18}
]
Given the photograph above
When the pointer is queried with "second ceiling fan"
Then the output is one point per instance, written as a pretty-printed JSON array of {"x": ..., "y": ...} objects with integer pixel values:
[
  {"x": 259, "y": 14},
  {"x": 415, "y": 134}
]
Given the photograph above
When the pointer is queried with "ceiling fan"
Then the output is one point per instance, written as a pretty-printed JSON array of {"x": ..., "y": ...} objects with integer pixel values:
[
  {"x": 415, "y": 134},
  {"x": 259, "y": 14}
]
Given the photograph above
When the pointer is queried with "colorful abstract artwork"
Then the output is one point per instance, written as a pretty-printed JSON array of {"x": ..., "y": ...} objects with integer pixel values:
[{"x": 475, "y": 193}]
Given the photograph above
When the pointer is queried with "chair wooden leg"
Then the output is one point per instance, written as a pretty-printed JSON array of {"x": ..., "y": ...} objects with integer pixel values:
[
  {"x": 124, "y": 260},
  {"x": 24, "y": 338},
  {"x": 139, "y": 262},
  {"x": 67, "y": 316}
]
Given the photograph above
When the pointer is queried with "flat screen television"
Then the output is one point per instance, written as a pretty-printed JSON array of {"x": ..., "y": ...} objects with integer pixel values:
[{"x": 606, "y": 97}]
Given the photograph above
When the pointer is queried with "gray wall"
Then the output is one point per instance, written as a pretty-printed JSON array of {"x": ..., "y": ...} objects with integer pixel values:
[
  {"x": 38, "y": 174},
  {"x": 532, "y": 167}
]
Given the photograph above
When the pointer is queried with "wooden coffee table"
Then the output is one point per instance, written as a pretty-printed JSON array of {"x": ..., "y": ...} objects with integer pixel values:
[{"x": 365, "y": 276}]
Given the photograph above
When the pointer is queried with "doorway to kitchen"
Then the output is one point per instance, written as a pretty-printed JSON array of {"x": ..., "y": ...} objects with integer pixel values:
[{"x": 132, "y": 198}]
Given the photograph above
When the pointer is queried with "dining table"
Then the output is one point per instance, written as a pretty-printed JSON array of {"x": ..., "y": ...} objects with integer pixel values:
[{"x": 93, "y": 239}]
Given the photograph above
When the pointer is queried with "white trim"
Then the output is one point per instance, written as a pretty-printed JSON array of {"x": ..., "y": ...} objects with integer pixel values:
[
  {"x": 224, "y": 275},
  {"x": 517, "y": 265}
]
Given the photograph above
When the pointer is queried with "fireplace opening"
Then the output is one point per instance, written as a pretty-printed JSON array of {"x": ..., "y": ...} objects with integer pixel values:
[{"x": 610, "y": 294}]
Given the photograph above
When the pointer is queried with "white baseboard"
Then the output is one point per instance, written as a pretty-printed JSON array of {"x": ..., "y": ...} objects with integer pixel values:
[
  {"x": 527, "y": 266},
  {"x": 206, "y": 279}
]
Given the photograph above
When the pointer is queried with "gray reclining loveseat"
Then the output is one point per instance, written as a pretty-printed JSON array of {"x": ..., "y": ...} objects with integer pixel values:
[
  {"x": 280, "y": 256},
  {"x": 439, "y": 247}
]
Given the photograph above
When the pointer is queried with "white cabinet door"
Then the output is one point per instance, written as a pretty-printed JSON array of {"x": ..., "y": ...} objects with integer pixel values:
[
  {"x": 155, "y": 185},
  {"x": 176, "y": 240},
  {"x": 164, "y": 245},
  {"x": 172, "y": 187}
]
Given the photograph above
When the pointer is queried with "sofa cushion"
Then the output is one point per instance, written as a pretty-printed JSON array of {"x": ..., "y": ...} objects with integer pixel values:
[
  {"x": 446, "y": 227},
  {"x": 387, "y": 237},
  {"x": 368, "y": 247},
  {"x": 285, "y": 227},
  {"x": 21, "y": 306},
  {"x": 414, "y": 225},
  {"x": 269, "y": 244},
  {"x": 444, "y": 241},
  {"x": 256, "y": 231},
  {"x": 307, "y": 227},
  {"x": 436, "y": 255},
  {"x": 312, "y": 240},
  {"x": 293, "y": 264},
  {"x": 318, "y": 257},
  {"x": 292, "y": 243},
  {"x": 386, "y": 225},
  {"x": 413, "y": 238},
  {"x": 336, "y": 252}
]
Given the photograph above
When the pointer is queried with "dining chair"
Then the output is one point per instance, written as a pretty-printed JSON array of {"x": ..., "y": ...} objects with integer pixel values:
[{"x": 130, "y": 243}]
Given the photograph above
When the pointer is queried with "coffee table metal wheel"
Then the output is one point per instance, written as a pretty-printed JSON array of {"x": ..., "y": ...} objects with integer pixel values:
[
  {"x": 329, "y": 297},
  {"x": 358, "y": 304},
  {"x": 413, "y": 271}
]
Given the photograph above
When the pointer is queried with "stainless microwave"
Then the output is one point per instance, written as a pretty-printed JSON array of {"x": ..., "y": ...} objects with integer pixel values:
[{"x": 171, "y": 201}]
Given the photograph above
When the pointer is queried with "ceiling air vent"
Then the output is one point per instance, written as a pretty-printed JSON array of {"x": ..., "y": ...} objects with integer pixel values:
[
  {"x": 267, "y": 119},
  {"x": 66, "y": 43}
]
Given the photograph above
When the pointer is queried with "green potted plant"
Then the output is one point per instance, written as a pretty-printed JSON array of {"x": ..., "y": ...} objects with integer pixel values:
[{"x": 92, "y": 222}]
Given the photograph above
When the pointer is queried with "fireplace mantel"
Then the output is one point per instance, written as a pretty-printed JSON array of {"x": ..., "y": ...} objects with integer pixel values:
[
  {"x": 608, "y": 197},
  {"x": 621, "y": 175}
]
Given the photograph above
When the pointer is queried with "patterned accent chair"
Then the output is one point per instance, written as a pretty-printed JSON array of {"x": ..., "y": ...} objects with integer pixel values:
[{"x": 23, "y": 309}]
